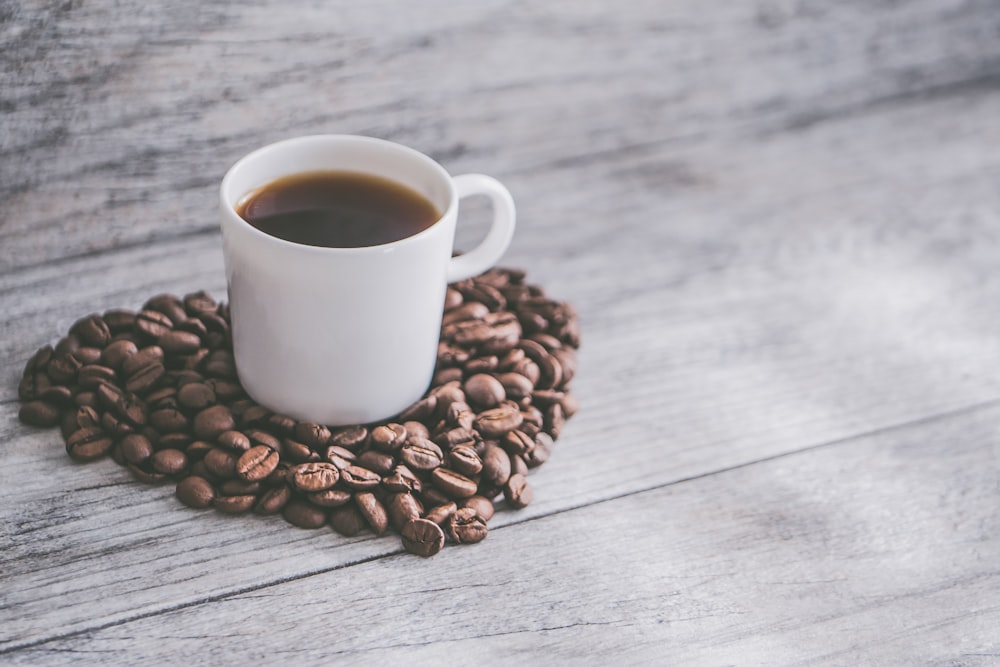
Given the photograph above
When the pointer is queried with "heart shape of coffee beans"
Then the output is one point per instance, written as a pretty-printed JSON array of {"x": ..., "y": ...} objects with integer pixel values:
[{"x": 157, "y": 391}]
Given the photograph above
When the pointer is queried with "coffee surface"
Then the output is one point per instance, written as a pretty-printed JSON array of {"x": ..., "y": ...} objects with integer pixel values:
[{"x": 337, "y": 209}]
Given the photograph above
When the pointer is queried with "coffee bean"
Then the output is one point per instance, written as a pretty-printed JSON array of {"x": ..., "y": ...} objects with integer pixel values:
[
  {"x": 88, "y": 355},
  {"x": 239, "y": 487},
  {"x": 92, "y": 330},
  {"x": 401, "y": 507},
  {"x": 256, "y": 463},
  {"x": 517, "y": 492},
  {"x": 282, "y": 424},
  {"x": 340, "y": 457},
  {"x": 235, "y": 440},
  {"x": 316, "y": 476},
  {"x": 196, "y": 492},
  {"x": 518, "y": 466},
  {"x": 484, "y": 391},
  {"x": 516, "y": 386},
  {"x": 119, "y": 320},
  {"x": 146, "y": 476},
  {"x": 220, "y": 364},
  {"x": 496, "y": 466},
  {"x": 402, "y": 479},
  {"x": 168, "y": 420},
  {"x": 302, "y": 514},
  {"x": 468, "y": 311},
  {"x": 330, "y": 497},
  {"x": 88, "y": 444},
  {"x": 496, "y": 422},
  {"x": 116, "y": 352},
  {"x": 431, "y": 497},
  {"x": 146, "y": 378},
  {"x": 554, "y": 420},
  {"x": 358, "y": 478},
  {"x": 423, "y": 538},
  {"x": 62, "y": 369},
  {"x": 452, "y": 299},
  {"x": 136, "y": 448},
  {"x": 388, "y": 437},
  {"x": 152, "y": 324},
  {"x": 273, "y": 500},
  {"x": 376, "y": 461},
  {"x": 199, "y": 302},
  {"x": 263, "y": 438},
  {"x": 460, "y": 415},
  {"x": 441, "y": 512},
  {"x": 179, "y": 342},
  {"x": 421, "y": 454},
  {"x": 313, "y": 435},
  {"x": 212, "y": 421},
  {"x": 39, "y": 413},
  {"x": 466, "y": 526},
  {"x": 422, "y": 409},
  {"x": 234, "y": 504},
  {"x": 453, "y": 484},
  {"x": 446, "y": 375},
  {"x": 465, "y": 460},
  {"x": 220, "y": 462},
  {"x": 347, "y": 520},
  {"x": 169, "y": 461},
  {"x": 482, "y": 505},
  {"x": 373, "y": 511},
  {"x": 415, "y": 429}
]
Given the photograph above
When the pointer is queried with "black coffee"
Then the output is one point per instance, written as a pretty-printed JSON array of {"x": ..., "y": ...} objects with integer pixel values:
[{"x": 337, "y": 209}]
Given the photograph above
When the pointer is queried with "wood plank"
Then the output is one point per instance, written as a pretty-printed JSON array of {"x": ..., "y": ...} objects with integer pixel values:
[
  {"x": 692, "y": 360},
  {"x": 877, "y": 550},
  {"x": 119, "y": 124}
]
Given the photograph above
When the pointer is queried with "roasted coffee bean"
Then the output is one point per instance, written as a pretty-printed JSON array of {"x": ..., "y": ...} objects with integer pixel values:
[
  {"x": 196, "y": 492},
  {"x": 402, "y": 479},
  {"x": 199, "y": 302},
  {"x": 220, "y": 462},
  {"x": 496, "y": 466},
  {"x": 168, "y": 420},
  {"x": 466, "y": 526},
  {"x": 554, "y": 420},
  {"x": 441, "y": 512},
  {"x": 517, "y": 465},
  {"x": 281, "y": 424},
  {"x": 194, "y": 326},
  {"x": 116, "y": 352},
  {"x": 145, "y": 379},
  {"x": 220, "y": 364},
  {"x": 347, "y": 520},
  {"x": 569, "y": 405},
  {"x": 421, "y": 454},
  {"x": 62, "y": 369},
  {"x": 39, "y": 413},
  {"x": 142, "y": 358},
  {"x": 484, "y": 391},
  {"x": 136, "y": 448},
  {"x": 460, "y": 415},
  {"x": 496, "y": 422},
  {"x": 179, "y": 342},
  {"x": 146, "y": 476},
  {"x": 415, "y": 429},
  {"x": 296, "y": 452},
  {"x": 423, "y": 538},
  {"x": 119, "y": 320},
  {"x": 273, "y": 500},
  {"x": 86, "y": 398},
  {"x": 313, "y": 435},
  {"x": 162, "y": 398},
  {"x": 541, "y": 452},
  {"x": 452, "y": 299},
  {"x": 168, "y": 304},
  {"x": 330, "y": 497},
  {"x": 234, "y": 504},
  {"x": 529, "y": 369},
  {"x": 256, "y": 463},
  {"x": 358, "y": 478},
  {"x": 373, "y": 511},
  {"x": 465, "y": 460},
  {"x": 263, "y": 438},
  {"x": 422, "y": 409},
  {"x": 432, "y": 497},
  {"x": 315, "y": 476},
  {"x": 482, "y": 506},
  {"x": 212, "y": 421},
  {"x": 239, "y": 487},
  {"x": 517, "y": 491},
  {"x": 446, "y": 375},
  {"x": 92, "y": 331},
  {"x": 152, "y": 324},
  {"x": 169, "y": 461},
  {"x": 401, "y": 507},
  {"x": 376, "y": 461},
  {"x": 516, "y": 386},
  {"x": 225, "y": 390},
  {"x": 234, "y": 440},
  {"x": 88, "y": 444},
  {"x": 388, "y": 437},
  {"x": 174, "y": 441},
  {"x": 453, "y": 484},
  {"x": 472, "y": 310},
  {"x": 486, "y": 364},
  {"x": 197, "y": 449},
  {"x": 88, "y": 355},
  {"x": 456, "y": 437},
  {"x": 304, "y": 515},
  {"x": 340, "y": 457}
]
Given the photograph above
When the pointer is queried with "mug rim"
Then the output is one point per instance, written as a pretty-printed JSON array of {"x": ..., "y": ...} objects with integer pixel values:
[{"x": 234, "y": 218}]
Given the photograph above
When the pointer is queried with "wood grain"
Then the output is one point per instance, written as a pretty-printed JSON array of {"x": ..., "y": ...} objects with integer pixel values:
[{"x": 778, "y": 221}]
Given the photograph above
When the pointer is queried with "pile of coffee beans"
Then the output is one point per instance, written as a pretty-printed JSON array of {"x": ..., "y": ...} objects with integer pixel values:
[{"x": 157, "y": 391}]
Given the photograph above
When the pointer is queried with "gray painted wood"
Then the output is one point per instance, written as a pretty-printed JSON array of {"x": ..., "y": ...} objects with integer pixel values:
[{"x": 778, "y": 221}]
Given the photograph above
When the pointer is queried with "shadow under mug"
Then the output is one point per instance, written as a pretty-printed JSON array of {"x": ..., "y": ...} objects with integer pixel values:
[{"x": 341, "y": 336}]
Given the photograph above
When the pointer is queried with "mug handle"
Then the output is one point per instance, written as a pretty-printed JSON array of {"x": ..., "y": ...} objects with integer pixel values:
[{"x": 487, "y": 253}]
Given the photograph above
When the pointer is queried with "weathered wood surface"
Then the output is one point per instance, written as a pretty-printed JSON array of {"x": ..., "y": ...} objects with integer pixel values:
[{"x": 778, "y": 220}]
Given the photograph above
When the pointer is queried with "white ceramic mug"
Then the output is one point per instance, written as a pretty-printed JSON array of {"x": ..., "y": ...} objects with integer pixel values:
[{"x": 347, "y": 335}]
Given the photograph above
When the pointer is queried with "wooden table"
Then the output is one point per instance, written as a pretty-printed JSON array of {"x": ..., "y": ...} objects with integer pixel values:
[{"x": 778, "y": 220}]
